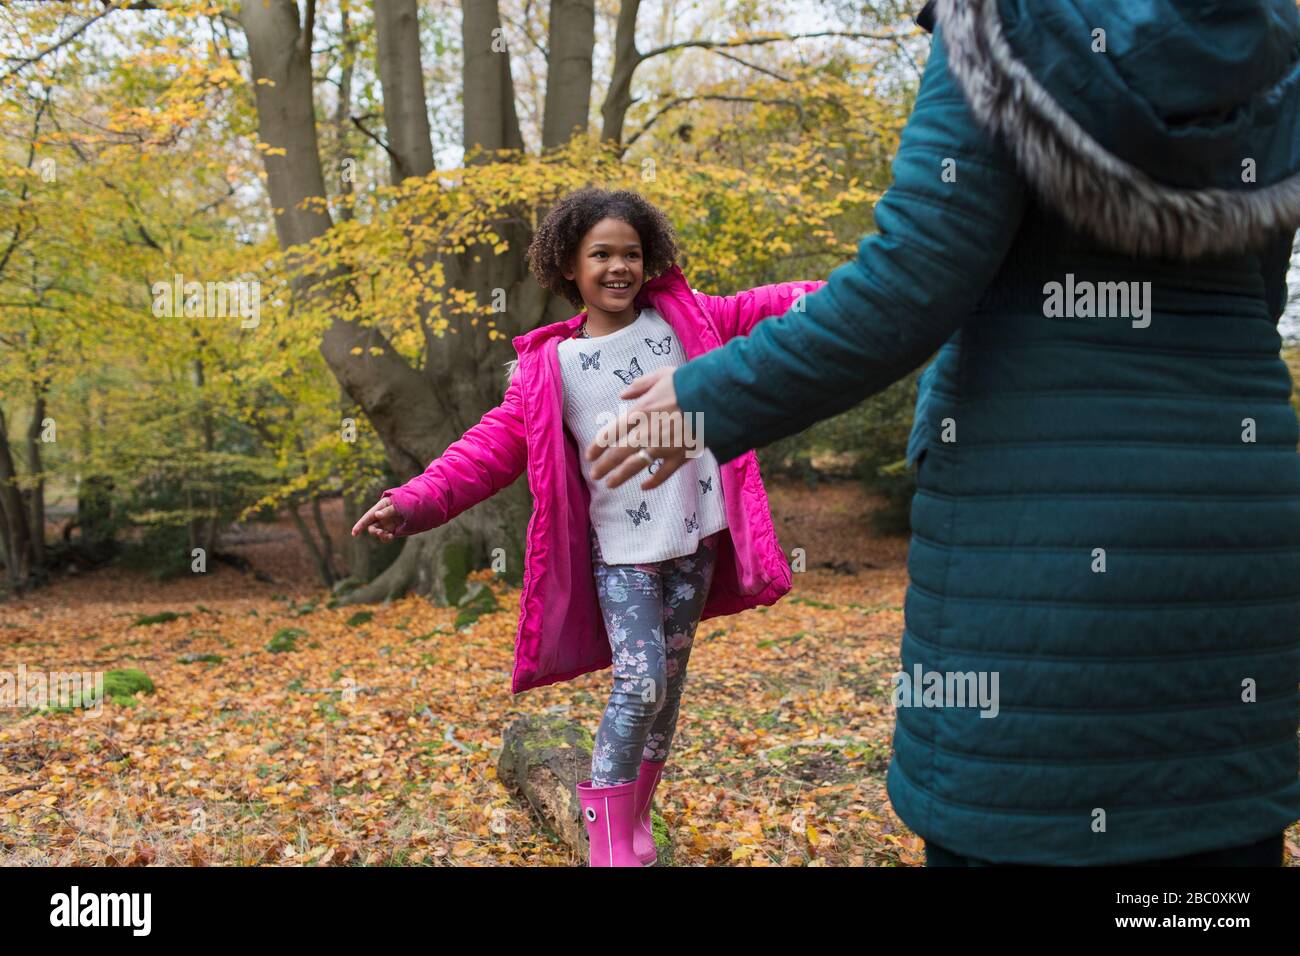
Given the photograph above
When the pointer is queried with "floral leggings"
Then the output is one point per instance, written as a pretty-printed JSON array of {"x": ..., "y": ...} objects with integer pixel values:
[{"x": 651, "y": 612}]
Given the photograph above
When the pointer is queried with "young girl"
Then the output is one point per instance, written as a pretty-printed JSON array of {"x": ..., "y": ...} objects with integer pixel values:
[{"x": 613, "y": 576}]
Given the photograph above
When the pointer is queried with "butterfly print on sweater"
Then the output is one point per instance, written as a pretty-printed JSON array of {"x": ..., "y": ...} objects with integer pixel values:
[
  {"x": 662, "y": 347},
  {"x": 633, "y": 371},
  {"x": 641, "y": 514},
  {"x": 590, "y": 361},
  {"x": 691, "y": 523},
  {"x": 706, "y": 484}
]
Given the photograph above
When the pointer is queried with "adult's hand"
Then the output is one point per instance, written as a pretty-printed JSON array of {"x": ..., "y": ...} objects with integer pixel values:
[
  {"x": 615, "y": 449},
  {"x": 381, "y": 520}
]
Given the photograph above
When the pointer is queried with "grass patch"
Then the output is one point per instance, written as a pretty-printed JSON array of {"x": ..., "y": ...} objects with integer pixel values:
[
  {"x": 285, "y": 640},
  {"x": 160, "y": 618},
  {"x": 200, "y": 659},
  {"x": 120, "y": 687},
  {"x": 788, "y": 639},
  {"x": 811, "y": 603},
  {"x": 479, "y": 600}
]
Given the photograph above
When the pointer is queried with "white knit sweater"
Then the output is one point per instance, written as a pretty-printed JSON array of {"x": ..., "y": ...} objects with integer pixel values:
[{"x": 635, "y": 526}]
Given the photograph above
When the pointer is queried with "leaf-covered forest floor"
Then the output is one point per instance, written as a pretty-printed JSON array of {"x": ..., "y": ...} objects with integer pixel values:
[{"x": 375, "y": 739}]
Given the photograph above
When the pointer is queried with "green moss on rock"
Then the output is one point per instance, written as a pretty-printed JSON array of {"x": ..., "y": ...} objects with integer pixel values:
[
  {"x": 455, "y": 571},
  {"x": 477, "y": 601}
]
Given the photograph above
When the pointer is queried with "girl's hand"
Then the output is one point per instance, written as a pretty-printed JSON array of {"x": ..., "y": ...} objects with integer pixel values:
[
  {"x": 661, "y": 419},
  {"x": 382, "y": 520}
]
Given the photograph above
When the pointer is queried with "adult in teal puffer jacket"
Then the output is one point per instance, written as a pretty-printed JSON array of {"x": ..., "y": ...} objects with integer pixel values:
[{"x": 1108, "y": 504}]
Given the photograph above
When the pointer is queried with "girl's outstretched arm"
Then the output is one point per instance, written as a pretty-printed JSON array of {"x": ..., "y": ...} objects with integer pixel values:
[
  {"x": 915, "y": 280},
  {"x": 738, "y": 314},
  {"x": 488, "y": 457}
]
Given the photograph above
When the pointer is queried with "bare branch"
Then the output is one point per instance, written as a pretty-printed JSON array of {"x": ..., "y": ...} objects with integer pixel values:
[
  {"x": 752, "y": 66},
  {"x": 35, "y": 304},
  {"x": 628, "y": 58},
  {"x": 28, "y": 61},
  {"x": 31, "y": 158},
  {"x": 149, "y": 240},
  {"x": 537, "y": 44},
  {"x": 772, "y": 38},
  {"x": 916, "y": 68},
  {"x": 679, "y": 100},
  {"x": 356, "y": 121},
  {"x": 308, "y": 27}
]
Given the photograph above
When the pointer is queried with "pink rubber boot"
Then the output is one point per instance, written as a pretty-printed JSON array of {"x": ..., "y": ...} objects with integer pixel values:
[
  {"x": 643, "y": 837},
  {"x": 610, "y": 816}
]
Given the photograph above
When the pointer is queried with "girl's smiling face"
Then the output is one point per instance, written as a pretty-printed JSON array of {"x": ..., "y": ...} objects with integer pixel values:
[{"x": 608, "y": 267}]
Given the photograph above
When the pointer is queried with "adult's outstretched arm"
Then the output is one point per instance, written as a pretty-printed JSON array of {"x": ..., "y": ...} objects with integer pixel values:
[{"x": 940, "y": 240}]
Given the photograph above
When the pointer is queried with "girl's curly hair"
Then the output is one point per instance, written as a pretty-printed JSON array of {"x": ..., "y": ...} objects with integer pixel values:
[{"x": 558, "y": 237}]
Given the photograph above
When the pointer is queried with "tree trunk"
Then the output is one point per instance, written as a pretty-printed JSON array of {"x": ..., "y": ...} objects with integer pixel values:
[
  {"x": 376, "y": 377},
  {"x": 397, "y": 29},
  {"x": 357, "y": 550},
  {"x": 213, "y": 527},
  {"x": 17, "y": 527},
  {"x": 618, "y": 98},
  {"x": 286, "y": 118},
  {"x": 402, "y": 404},
  {"x": 463, "y": 398},
  {"x": 4, "y": 545},
  {"x": 204, "y": 530},
  {"x": 322, "y": 564},
  {"x": 571, "y": 40},
  {"x": 327, "y": 546},
  {"x": 488, "y": 92},
  {"x": 36, "y": 468},
  {"x": 418, "y": 414},
  {"x": 342, "y": 112},
  {"x": 94, "y": 494}
]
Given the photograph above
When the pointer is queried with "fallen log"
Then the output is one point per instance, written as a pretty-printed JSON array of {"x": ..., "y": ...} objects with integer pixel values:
[{"x": 544, "y": 758}]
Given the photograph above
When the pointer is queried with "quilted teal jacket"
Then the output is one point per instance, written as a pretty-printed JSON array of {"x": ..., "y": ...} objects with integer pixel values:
[{"x": 1091, "y": 215}]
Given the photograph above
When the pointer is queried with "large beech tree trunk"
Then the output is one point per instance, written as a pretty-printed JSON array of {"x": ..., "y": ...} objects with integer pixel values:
[{"x": 417, "y": 413}]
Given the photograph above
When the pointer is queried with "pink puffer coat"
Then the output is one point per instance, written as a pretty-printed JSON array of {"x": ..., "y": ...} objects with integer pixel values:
[{"x": 561, "y": 630}]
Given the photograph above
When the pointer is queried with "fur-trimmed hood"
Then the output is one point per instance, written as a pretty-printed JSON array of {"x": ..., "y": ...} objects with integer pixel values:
[{"x": 1175, "y": 132}]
